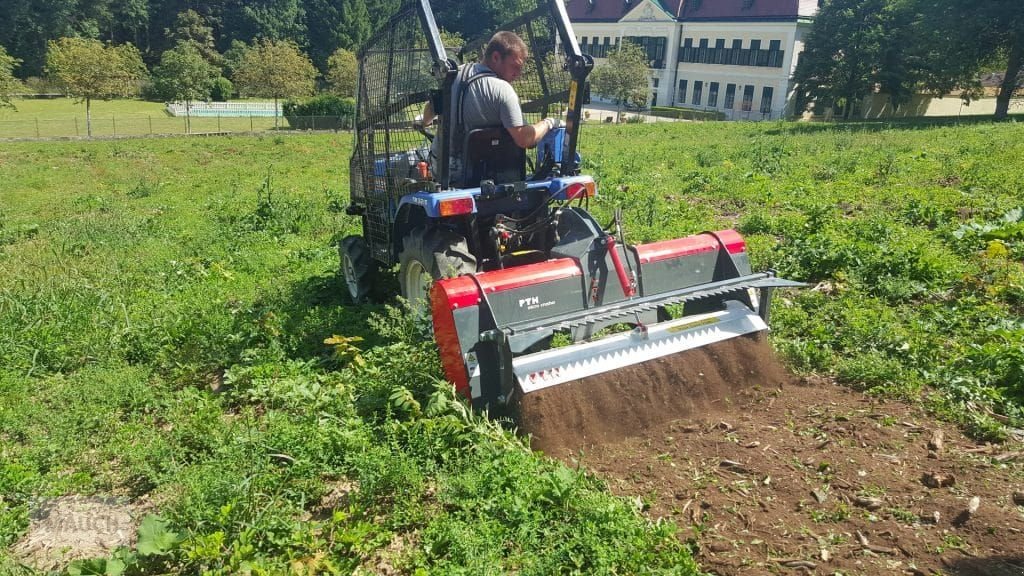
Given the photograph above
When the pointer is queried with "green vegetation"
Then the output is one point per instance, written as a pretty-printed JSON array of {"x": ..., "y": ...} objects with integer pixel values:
[
  {"x": 856, "y": 46},
  {"x": 623, "y": 76},
  {"x": 320, "y": 112},
  {"x": 275, "y": 70},
  {"x": 88, "y": 70},
  {"x": 685, "y": 113},
  {"x": 174, "y": 328}
]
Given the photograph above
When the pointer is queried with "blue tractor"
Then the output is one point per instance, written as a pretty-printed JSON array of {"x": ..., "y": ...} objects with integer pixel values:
[{"x": 507, "y": 256}]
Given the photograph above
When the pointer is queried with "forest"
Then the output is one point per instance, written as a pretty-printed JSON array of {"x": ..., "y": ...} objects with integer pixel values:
[{"x": 153, "y": 26}]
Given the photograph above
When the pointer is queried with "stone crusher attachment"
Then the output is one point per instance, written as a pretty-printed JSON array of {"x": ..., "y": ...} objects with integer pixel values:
[{"x": 594, "y": 306}]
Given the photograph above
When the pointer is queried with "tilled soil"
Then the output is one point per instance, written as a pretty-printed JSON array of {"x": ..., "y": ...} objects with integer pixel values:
[{"x": 766, "y": 473}]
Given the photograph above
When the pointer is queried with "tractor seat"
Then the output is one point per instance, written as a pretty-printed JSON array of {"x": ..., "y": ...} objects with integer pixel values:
[{"x": 491, "y": 154}]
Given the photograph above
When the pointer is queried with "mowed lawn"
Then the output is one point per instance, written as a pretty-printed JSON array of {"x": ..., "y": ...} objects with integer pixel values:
[
  {"x": 65, "y": 117},
  {"x": 164, "y": 306}
]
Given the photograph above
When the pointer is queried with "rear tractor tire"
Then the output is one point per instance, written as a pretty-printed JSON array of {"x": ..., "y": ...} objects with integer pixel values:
[
  {"x": 430, "y": 254},
  {"x": 357, "y": 267}
]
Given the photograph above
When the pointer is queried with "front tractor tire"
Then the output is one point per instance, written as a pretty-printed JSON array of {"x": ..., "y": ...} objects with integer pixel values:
[
  {"x": 430, "y": 254},
  {"x": 357, "y": 267}
]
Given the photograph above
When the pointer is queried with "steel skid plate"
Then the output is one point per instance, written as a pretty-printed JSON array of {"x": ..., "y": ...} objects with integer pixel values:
[{"x": 560, "y": 365}]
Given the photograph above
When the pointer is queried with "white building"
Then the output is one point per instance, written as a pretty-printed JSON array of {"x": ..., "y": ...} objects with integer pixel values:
[{"x": 736, "y": 57}]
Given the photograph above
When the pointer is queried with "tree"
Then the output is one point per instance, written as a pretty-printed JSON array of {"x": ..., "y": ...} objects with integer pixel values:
[
  {"x": 8, "y": 83},
  {"x": 275, "y": 70},
  {"x": 273, "y": 19},
  {"x": 854, "y": 47},
  {"x": 184, "y": 74},
  {"x": 976, "y": 35},
  {"x": 343, "y": 72},
  {"x": 623, "y": 77},
  {"x": 89, "y": 71},
  {"x": 334, "y": 24},
  {"x": 190, "y": 26}
]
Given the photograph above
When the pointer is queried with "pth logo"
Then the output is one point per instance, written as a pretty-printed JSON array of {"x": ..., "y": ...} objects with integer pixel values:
[{"x": 531, "y": 301}]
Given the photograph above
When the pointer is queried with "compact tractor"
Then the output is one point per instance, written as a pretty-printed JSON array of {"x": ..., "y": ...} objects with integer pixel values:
[{"x": 525, "y": 288}]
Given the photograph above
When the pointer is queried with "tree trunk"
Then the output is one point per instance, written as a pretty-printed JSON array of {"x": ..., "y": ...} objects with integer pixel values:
[
  {"x": 275, "y": 112},
  {"x": 88, "y": 119},
  {"x": 188, "y": 116},
  {"x": 1009, "y": 85}
]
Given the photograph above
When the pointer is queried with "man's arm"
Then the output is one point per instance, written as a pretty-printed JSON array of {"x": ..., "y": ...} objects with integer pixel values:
[
  {"x": 530, "y": 135},
  {"x": 428, "y": 114}
]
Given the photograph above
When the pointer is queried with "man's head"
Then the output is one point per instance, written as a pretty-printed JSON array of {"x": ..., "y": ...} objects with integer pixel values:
[{"x": 505, "y": 55}]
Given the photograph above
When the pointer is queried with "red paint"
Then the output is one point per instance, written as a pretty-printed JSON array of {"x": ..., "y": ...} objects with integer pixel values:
[
  {"x": 528, "y": 275},
  {"x": 691, "y": 245},
  {"x": 446, "y": 335},
  {"x": 620, "y": 270}
]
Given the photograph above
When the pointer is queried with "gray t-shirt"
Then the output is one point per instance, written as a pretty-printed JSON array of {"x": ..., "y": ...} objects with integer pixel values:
[{"x": 489, "y": 101}]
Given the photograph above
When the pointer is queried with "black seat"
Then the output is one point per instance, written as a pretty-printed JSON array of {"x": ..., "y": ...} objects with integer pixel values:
[{"x": 491, "y": 154}]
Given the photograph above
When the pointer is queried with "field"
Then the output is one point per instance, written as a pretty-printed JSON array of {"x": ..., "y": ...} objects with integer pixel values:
[
  {"x": 63, "y": 117},
  {"x": 164, "y": 307}
]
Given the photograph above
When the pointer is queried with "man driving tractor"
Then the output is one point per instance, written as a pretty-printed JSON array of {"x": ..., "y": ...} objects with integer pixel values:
[{"x": 483, "y": 97}]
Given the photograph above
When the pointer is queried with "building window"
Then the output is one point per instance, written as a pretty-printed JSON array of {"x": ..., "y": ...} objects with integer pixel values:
[
  {"x": 681, "y": 93},
  {"x": 720, "y": 51},
  {"x": 686, "y": 52},
  {"x": 698, "y": 89},
  {"x": 755, "y": 49},
  {"x": 748, "y": 99},
  {"x": 607, "y": 45},
  {"x": 583, "y": 42},
  {"x": 730, "y": 96},
  {"x": 775, "y": 54},
  {"x": 713, "y": 95},
  {"x": 737, "y": 50},
  {"x": 654, "y": 48},
  {"x": 766, "y": 100},
  {"x": 702, "y": 51},
  {"x": 655, "y": 82}
]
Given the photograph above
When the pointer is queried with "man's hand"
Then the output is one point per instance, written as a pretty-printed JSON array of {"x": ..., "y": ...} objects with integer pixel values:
[{"x": 554, "y": 123}]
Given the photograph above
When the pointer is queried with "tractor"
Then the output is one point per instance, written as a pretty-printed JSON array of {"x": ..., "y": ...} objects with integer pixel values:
[{"x": 526, "y": 290}]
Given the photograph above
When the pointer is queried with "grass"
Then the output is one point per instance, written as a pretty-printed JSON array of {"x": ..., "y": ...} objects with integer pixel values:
[
  {"x": 64, "y": 117},
  {"x": 164, "y": 306},
  {"x": 164, "y": 309}
]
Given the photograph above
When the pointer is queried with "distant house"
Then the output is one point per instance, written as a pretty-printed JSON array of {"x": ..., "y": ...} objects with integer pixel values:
[{"x": 733, "y": 56}]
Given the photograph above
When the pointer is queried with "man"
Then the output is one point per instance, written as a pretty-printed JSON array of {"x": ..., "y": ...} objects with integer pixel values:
[{"x": 482, "y": 96}]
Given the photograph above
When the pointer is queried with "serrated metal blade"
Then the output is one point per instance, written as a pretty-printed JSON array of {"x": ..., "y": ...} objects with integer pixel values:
[{"x": 560, "y": 365}]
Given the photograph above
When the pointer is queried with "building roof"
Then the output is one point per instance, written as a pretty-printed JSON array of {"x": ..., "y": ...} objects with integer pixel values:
[
  {"x": 741, "y": 9},
  {"x": 614, "y": 10}
]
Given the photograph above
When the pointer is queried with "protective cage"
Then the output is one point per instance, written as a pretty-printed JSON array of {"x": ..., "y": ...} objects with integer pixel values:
[{"x": 399, "y": 72}]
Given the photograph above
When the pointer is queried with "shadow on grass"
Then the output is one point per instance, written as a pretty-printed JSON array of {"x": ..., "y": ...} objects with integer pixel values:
[
  {"x": 991, "y": 566},
  {"x": 922, "y": 123}
]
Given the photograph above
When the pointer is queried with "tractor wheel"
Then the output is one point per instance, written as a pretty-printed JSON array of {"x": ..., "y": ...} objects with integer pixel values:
[
  {"x": 430, "y": 254},
  {"x": 357, "y": 267}
]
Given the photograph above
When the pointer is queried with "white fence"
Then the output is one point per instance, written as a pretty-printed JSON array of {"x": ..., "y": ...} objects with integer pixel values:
[{"x": 225, "y": 109}]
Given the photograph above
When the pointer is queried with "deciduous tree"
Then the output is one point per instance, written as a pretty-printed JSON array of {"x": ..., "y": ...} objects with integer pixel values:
[
  {"x": 89, "y": 70},
  {"x": 8, "y": 83},
  {"x": 343, "y": 72},
  {"x": 854, "y": 47},
  {"x": 192, "y": 27},
  {"x": 184, "y": 74},
  {"x": 975, "y": 35},
  {"x": 275, "y": 70},
  {"x": 623, "y": 77}
]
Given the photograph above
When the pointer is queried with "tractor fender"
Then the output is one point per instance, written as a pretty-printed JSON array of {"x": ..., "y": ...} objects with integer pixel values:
[{"x": 410, "y": 216}]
